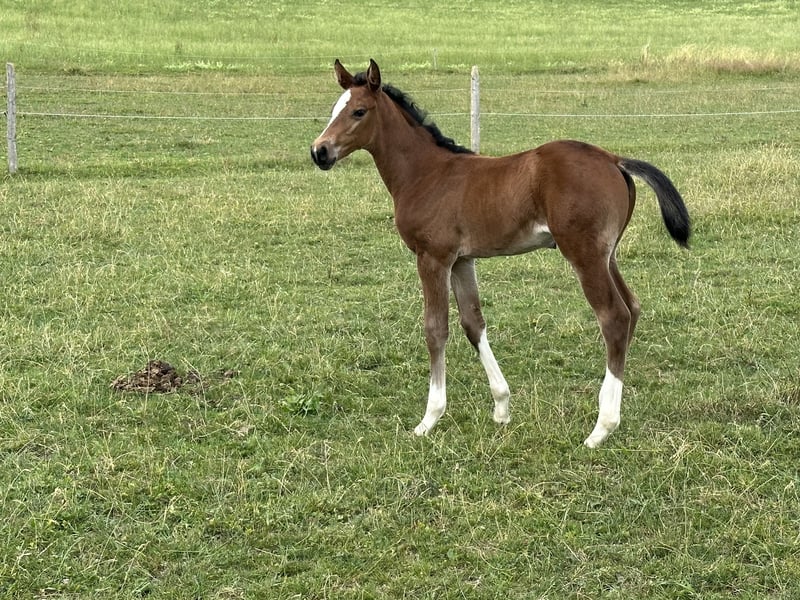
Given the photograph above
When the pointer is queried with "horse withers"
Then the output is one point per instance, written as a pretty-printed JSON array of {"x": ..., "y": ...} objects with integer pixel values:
[{"x": 452, "y": 206}]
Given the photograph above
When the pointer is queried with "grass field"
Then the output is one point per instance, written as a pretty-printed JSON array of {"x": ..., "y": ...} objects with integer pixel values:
[{"x": 189, "y": 225}]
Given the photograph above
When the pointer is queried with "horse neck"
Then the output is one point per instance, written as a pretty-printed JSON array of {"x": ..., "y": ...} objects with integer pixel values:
[{"x": 402, "y": 151}]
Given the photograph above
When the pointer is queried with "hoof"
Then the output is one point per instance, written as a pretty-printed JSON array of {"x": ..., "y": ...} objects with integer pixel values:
[
  {"x": 592, "y": 442},
  {"x": 597, "y": 437},
  {"x": 501, "y": 415},
  {"x": 502, "y": 419}
]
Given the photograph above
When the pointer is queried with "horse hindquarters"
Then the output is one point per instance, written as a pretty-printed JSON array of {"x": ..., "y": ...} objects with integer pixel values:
[{"x": 589, "y": 202}]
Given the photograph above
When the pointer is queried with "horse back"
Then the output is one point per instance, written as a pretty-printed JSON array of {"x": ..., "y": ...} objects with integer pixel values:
[{"x": 472, "y": 205}]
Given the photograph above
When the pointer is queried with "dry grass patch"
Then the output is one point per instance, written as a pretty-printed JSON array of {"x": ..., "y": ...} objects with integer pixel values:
[{"x": 732, "y": 61}]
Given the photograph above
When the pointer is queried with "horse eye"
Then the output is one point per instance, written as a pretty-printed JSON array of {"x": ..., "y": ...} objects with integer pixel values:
[{"x": 359, "y": 113}]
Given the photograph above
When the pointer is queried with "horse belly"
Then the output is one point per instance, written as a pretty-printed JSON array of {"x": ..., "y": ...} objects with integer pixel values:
[
  {"x": 524, "y": 240},
  {"x": 537, "y": 236}
]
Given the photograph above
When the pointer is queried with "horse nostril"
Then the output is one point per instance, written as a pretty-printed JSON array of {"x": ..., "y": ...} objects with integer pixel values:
[
  {"x": 319, "y": 154},
  {"x": 321, "y": 157}
]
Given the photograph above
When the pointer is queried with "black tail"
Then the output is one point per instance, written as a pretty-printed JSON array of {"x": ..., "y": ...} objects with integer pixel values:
[{"x": 673, "y": 210}]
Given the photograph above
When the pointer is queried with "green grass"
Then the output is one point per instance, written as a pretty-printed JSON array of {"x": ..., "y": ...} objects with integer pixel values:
[
  {"x": 216, "y": 245},
  {"x": 151, "y": 36}
]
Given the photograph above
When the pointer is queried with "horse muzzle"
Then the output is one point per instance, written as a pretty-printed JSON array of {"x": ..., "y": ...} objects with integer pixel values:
[{"x": 322, "y": 157}]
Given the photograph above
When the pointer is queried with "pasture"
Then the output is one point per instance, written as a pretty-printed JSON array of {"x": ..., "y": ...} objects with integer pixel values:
[{"x": 181, "y": 219}]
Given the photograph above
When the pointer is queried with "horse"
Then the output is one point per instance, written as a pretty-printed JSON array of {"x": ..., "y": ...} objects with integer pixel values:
[{"x": 453, "y": 206}]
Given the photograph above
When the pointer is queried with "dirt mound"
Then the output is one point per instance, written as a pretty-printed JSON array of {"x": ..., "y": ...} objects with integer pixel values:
[{"x": 161, "y": 377}]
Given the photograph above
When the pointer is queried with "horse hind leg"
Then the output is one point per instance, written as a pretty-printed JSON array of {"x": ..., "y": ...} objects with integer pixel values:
[
  {"x": 616, "y": 310},
  {"x": 465, "y": 289}
]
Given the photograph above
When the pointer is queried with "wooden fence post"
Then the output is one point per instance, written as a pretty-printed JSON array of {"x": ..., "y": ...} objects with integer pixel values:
[
  {"x": 475, "y": 111},
  {"x": 11, "y": 118}
]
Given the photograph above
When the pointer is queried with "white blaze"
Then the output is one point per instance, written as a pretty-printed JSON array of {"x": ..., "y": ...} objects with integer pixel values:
[{"x": 338, "y": 108}]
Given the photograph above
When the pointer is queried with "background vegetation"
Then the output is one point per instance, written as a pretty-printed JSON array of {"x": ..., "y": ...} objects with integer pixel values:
[{"x": 183, "y": 221}]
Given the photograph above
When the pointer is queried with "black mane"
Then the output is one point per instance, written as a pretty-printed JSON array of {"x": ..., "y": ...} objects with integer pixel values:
[{"x": 418, "y": 115}]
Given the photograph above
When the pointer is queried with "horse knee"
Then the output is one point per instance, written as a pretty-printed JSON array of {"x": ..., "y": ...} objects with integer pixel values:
[
  {"x": 473, "y": 324},
  {"x": 436, "y": 334},
  {"x": 473, "y": 333}
]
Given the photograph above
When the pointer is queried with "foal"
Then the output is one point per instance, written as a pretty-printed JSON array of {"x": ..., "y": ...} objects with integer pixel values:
[{"x": 452, "y": 206}]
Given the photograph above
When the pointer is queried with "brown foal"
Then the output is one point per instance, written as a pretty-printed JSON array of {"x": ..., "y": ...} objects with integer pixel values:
[{"x": 452, "y": 206}]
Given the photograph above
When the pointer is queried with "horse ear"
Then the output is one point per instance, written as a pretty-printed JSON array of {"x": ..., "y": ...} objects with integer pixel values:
[
  {"x": 373, "y": 76},
  {"x": 344, "y": 78}
]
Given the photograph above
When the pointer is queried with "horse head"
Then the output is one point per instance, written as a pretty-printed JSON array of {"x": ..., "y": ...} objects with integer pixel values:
[{"x": 353, "y": 117}]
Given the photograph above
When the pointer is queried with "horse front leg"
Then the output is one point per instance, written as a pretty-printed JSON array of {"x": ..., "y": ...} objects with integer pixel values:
[
  {"x": 435, "y": 278},
  {"x": 465, "y": 288}
]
